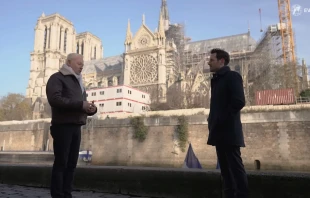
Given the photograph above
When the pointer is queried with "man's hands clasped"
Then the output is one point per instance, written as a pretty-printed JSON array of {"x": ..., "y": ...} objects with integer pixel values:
[{"x": 89, "y": 107}]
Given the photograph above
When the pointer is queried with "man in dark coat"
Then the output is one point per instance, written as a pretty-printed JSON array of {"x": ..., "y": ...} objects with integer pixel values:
[
  {"x": 225, "y": 128},
  {"x": 67, "y": 98}
]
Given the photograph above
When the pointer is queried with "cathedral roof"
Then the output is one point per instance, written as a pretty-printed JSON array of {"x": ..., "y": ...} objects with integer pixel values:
[
  {"x": 91, "y": 68},
  {"x": 234, "y": 43},
  {"x": 108, "y": 66},
  {"x": 114, "y": 65}
]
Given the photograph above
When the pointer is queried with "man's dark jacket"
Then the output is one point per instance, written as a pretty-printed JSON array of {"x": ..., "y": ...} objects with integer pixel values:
[
  {"x": 227, "y": 99},
  {"x": 66, "y": 98}
]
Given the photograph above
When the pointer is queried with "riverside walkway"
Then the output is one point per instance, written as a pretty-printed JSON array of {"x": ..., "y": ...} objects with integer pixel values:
[
  {"x": 14, "y": 191},
  {"x": 148, "y": 182}
]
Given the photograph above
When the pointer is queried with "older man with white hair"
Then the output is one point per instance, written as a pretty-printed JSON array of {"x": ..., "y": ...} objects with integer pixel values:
[{"x": 67, "y": 98}]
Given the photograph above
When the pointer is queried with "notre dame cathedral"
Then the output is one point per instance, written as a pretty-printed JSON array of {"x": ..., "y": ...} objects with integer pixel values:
[{"x": 158, "y": 62}]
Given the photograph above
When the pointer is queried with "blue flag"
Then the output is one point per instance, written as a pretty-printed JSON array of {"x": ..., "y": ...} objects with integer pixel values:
[{"x": 191, "y": 161}]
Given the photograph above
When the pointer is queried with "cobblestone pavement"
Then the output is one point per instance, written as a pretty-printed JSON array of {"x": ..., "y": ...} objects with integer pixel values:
[{"x": 13, "y": 191}]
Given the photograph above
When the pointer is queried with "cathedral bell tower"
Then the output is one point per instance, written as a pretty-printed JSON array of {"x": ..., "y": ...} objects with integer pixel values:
[{"x": 54, "y": 39}]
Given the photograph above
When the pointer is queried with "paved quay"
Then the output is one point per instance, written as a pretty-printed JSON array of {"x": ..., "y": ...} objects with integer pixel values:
[{"x": 14, "y": 191}]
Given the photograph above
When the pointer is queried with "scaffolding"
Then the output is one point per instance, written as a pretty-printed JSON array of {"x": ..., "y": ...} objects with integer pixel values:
[{"x": 288, "y": 45}]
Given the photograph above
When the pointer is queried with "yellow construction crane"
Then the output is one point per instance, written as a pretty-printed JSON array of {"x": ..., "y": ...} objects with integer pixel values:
[{"x": 288, "y": 44}]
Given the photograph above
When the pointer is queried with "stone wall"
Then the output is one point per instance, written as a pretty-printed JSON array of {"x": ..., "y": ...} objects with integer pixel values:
[
  {"x": 278, "y": 137},
  {"x": 25, "y": 136}
]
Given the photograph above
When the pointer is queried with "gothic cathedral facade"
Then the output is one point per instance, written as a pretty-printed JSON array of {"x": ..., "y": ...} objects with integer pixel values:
[
  {"x": 145, "y": 60},
  {"x": 143, "y": 64},
  {"x": 157, "y": 62},
  {"x": 55, "y": 37}
]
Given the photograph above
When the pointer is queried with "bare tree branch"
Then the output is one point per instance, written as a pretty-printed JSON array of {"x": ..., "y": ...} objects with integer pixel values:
[{"x": 15, "y": 107}]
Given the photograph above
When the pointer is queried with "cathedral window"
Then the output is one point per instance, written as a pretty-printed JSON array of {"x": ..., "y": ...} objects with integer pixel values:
[
  {"x": 59, "y": 38},
  {"x": 82, "y": 48},
  {"x": 77, "y": 48},
  {"x": 195, "y": 58},
  {"x": 95, "y": 52},
  {"x": 118, "y": 103},
  {"x": 41, "y": 107},
  {"x": 49, "y": 36},
  {"x": 45, "y": 37},
  {"x": 143, "y": 69},
  {"x": 110, "y": 81},
  {"x": 238, "y": 69},
  {"x": 65, "y": 41}
]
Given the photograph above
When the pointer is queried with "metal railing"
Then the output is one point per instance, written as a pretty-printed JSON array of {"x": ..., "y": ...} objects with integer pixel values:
[{"x": 302, "y": 100}]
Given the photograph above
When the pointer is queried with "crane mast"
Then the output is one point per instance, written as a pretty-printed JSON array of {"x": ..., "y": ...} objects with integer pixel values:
[{"x": 288, "y": 45}]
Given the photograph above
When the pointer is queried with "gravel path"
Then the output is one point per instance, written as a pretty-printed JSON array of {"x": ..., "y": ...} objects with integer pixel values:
[{"x": 13, "y": 191}]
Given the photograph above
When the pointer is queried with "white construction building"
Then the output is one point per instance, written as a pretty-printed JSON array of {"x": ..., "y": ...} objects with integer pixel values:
[{"x": 116, "y": 99}]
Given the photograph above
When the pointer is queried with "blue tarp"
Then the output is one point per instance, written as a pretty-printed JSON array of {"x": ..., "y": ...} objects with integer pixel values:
[{"x": 191, "y": 161}]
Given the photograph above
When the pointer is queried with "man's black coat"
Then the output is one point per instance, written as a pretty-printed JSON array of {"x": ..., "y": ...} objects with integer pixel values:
[{"x": 227, "y": 99}]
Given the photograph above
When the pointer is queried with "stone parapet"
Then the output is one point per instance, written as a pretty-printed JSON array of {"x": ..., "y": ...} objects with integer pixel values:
[
  {"x": 185, "y": 112},
  {"x": 161, "y": 182},
  {"x": 276, "y": 138}
]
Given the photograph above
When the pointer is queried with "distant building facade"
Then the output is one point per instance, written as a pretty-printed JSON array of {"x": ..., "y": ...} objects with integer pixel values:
[{"x": 117, "y": 99}]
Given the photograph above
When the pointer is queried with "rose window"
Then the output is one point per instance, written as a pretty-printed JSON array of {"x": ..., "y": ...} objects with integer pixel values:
[{"x": 143, "y": 70}]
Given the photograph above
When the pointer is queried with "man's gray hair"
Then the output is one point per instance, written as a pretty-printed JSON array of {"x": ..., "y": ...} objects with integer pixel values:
[{"x": 72, "y": 56}]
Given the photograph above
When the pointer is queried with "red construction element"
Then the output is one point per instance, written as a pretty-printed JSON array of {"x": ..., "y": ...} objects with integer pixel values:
[{"x": 275, "y": 97}]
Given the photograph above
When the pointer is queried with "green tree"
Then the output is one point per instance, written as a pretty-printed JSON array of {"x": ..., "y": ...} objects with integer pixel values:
[
  {"x": 15, "y": 107},
  {"x": 305, "y": 93},
  {"x": 305, "y": 96}
]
